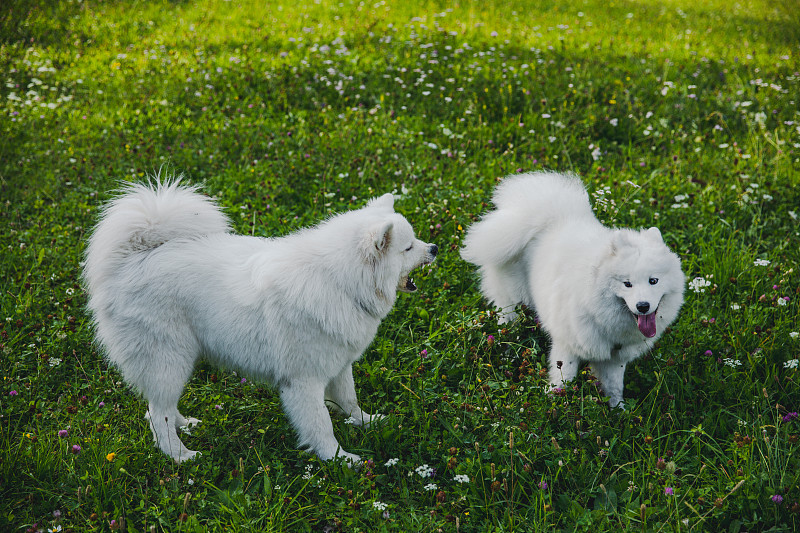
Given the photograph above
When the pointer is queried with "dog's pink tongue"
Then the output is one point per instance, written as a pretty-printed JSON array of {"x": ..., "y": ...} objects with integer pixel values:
[{"x": 647, "y": 325}]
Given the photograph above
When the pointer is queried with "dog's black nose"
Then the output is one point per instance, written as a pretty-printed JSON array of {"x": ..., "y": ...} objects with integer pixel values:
[
  {"x": 643, "y": 307},
  {"x": 433, "y": 250}
]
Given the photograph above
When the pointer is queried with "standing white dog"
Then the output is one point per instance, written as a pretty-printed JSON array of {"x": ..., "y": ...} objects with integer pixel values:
[
  {"x": 168, "y": 283},
  {"x": 603, "y": 295}
]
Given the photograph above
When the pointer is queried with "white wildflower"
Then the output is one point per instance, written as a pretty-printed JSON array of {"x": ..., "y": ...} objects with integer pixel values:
[
  {"x": 698, "y": 284},
  {"x": 424, "y": 471},
  {"x": 380, "y": 506}
]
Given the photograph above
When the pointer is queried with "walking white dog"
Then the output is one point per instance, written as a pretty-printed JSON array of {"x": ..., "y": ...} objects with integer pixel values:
[
  {"x": 603, "y": 295},
  {"x": 168, "y": 283}
]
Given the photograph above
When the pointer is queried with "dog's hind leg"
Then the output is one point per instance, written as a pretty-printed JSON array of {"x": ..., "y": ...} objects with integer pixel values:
[
  {"x": 304, "y": 403},
  {"x": 163, "y": 424},
  {"x": 340, "y": 394},
  {"x": 162, "y": 387},
  {"x": 502, "y": 286}
]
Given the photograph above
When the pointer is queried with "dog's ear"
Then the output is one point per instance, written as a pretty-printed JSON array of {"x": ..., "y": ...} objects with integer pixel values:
[
  {"x": 383, "y": 202},
  {"x": 382, "y": 237},
  {"x": 653, "y": 234},
  {"x": 617, "y": 241}
]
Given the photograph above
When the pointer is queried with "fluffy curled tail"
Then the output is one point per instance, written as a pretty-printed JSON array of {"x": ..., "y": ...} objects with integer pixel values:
[
  {"x": 525, "y": 205},
  {"x": 143, "y": 217}
]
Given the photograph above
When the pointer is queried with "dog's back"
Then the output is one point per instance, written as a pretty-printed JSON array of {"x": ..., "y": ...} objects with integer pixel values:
[
  {"x": 525, "y": 205},
  {"x": 144, "y": 217}
]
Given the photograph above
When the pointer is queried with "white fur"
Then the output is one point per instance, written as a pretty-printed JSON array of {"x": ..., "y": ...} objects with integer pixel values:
[
  {"x": 168, "y": 283},
  {"x": 543, "y": 247}
]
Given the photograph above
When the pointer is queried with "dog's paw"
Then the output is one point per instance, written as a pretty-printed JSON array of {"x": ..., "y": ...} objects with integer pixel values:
[
  {"x": 504, "y": 317},
  {"x": 190, "y": 424},
  {"x": 619, "y": 405},
  {"x": 365, "y": 419},
  {"x": 370, "y": 420},
  {"x": 350, "y": 459},
  {"x": 186, "y": 455}
]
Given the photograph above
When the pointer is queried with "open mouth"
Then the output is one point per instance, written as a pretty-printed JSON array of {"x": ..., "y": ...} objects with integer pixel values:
[
  {"x": 647, "y": 324},
  {"x": 406, "y": 283}
]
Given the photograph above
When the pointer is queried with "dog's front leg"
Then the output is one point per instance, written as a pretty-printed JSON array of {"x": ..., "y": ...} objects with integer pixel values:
[
  {"x": 340, "y": 394},
  {"x": 611, "y": 375},
  {"x": 304, "y": 403},
  {"x": 563, "y": 365}
]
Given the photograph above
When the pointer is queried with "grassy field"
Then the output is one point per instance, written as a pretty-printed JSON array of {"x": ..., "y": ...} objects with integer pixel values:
[{"x": 675, "y": 113}]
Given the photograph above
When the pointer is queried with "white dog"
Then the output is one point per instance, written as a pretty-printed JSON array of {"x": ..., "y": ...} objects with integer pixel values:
[
  {"x": 169, "y": 283},
  {"x": 603, "y": 295}
]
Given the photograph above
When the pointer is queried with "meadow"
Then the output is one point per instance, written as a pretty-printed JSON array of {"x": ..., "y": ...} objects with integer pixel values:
[{"x": 678, "y": 114}]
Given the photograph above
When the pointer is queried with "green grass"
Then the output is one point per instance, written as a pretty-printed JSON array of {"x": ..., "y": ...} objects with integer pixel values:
[{"x": 677, "y": 114}]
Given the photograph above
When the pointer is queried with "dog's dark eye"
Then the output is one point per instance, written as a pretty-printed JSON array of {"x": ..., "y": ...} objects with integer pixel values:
[
  {"x": 628, "y": 284},
  {"x": 410, "y": 246},
  {"x": 653, "y": 281}
]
